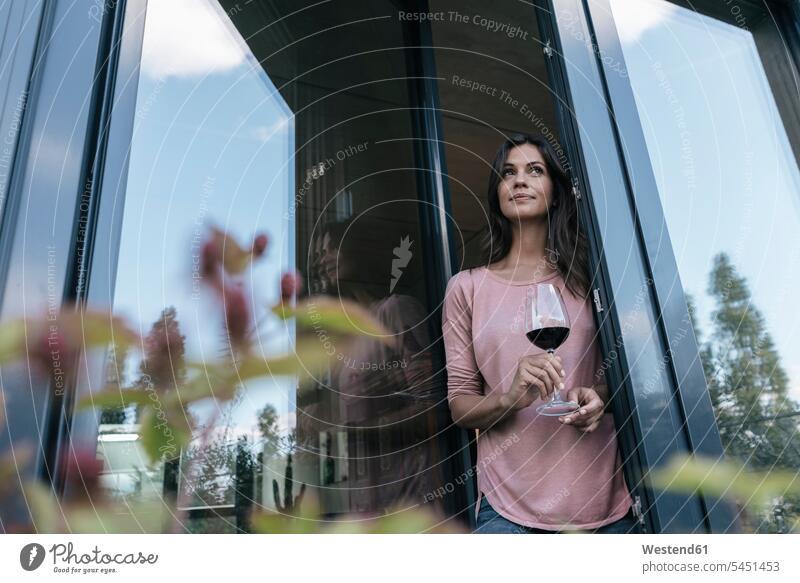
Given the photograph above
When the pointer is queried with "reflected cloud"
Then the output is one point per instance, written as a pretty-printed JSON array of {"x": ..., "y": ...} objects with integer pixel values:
[
  {"x": 636, "y": 17},
  {"x": 265, "y": 133},
  {"x": 187, "y": 38}
]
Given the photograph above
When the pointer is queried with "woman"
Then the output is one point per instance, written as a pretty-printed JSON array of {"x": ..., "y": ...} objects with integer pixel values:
[{"x": 535, "y": 473}]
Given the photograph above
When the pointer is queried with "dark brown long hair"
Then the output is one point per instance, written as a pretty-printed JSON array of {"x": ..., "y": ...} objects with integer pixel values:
[{"x": 566, "y": 243}]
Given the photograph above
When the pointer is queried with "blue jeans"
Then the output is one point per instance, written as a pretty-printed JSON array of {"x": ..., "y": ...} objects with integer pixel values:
[{"x": 490, "y": 522}]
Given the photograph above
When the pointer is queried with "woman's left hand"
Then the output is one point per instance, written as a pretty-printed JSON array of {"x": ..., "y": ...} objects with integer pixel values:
[{"x": 587, "y": 418}]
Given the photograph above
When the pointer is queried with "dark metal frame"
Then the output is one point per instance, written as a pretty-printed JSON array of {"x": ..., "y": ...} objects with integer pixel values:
[
  {"x": 622, "y": 403},
  {"x": 435, "y": 210},
  {"x": 21, "y": 22},
  {"x": 62, "y": 51}
]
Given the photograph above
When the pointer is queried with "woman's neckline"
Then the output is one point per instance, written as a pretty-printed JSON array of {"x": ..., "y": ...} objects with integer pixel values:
[{"x": 496, "y": 277}]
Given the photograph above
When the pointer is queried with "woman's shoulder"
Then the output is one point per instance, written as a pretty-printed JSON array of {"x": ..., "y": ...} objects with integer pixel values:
[{"x": 464, "y": 279}]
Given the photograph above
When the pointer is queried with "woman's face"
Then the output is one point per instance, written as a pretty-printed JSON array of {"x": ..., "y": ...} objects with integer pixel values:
[
  {"x": 326, "y": 258},
  {"x": 525, "y": 191},
  {"x": 331, "y": 264}
]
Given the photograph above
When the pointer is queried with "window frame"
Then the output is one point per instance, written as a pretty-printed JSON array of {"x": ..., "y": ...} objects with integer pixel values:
[{"x": 61, "y": 62}]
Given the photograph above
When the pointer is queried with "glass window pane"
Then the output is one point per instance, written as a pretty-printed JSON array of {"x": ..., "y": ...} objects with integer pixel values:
[
  {"x": 716, "y": 94},
  {"x": 293, "y": 119}
]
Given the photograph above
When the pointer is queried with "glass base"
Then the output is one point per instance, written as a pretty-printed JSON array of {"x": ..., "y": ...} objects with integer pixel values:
[{"x": 557, "y": 408}]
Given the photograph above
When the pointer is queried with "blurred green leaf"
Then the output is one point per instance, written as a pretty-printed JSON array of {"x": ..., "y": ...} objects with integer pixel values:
[
  {"x": 265, "y": 523},
  {"x": 334, "y": 318},
  {"x": 12, "y": 340},
  {"x": 309, "y": 358},
  {"x": 101, "y": 329},
  {"x": 216, "y": 382},
  {"x": 114, "y": 397},
  {"x": 305, "y": 521},
  {"x": 44, "y": 507},
  {"x": 164, "y": 433},
  {"x": 130, "y": 518},
  {"x": 89, "y": 328},
  {"x": 691, "y": 474},
  {"x": 396, "y": 522}
]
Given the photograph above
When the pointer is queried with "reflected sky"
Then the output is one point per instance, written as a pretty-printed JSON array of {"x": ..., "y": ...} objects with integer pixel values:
[
  {"x": 723, "y": 163},
  {"x": 212, "y": 144}
]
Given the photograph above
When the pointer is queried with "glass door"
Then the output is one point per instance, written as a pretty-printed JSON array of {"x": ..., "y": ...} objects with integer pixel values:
[{"x": 707, "y": 109}]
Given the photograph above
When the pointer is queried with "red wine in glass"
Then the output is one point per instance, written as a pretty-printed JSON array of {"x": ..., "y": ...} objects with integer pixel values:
[
  {"x": 547, "y": 322},
  {"x": 548, "y": 338}
]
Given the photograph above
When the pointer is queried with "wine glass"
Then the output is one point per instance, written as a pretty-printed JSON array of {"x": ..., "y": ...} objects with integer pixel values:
[{"x": 547, "y": 325}]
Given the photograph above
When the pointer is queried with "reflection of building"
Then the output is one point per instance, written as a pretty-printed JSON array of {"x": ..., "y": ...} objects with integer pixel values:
[
  {"x": 365, "y": 428},
  {"x": 303, "y": 86}
]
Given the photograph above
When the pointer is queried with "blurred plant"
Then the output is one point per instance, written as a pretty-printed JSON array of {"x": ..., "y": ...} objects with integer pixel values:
[
  {"x": 306, "y": 520},
  {"x": 753, "y": 491},
  {"x": 168, "y": 384},
  {"x": 84, "y": 507}
]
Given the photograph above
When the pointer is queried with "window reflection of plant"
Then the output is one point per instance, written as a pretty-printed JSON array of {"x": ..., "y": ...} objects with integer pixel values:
[
  {"x": 170, "y": 385},
  {"x": 757, "y": 419}
]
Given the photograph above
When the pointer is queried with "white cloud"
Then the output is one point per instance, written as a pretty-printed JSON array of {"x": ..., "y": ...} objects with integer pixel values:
[
  {"x": 635, "y": 17},
  {"x": 264, "y": 133},
  {"x": 188, "y": 38}
]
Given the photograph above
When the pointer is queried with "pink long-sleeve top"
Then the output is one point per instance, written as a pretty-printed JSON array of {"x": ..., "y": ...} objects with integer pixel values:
[{"x": 533, "y": 470}]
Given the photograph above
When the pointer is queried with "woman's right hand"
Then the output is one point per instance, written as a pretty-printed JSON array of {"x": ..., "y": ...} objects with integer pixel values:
[{"x": 537, "y": 376}]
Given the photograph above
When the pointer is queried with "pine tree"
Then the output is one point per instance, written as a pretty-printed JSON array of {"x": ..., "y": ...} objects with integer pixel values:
[{"x": 757, "y": 420}]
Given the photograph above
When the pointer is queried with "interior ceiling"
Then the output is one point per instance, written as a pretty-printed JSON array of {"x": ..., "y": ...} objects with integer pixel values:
[{"x": 473, "y": 121}]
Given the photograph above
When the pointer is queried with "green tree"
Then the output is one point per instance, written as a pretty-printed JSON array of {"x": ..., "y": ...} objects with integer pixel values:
[
  {"x": 757, "y": 420},
  {"x": 269, "y": 430},
  {"x": 115, "y": 370}
]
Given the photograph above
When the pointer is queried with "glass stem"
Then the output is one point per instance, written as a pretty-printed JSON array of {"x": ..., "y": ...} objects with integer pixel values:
[{"x": 554, "y": 397}]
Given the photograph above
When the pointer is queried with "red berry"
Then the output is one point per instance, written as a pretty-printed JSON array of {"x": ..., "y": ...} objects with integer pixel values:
[
  {"x": 260, "y": 245},
  {"x": 237, "y": 315},
  {"x": 210, "y": 258},
  {"x": 82, "y": 471},
  {"x": 290, "y": 286}
]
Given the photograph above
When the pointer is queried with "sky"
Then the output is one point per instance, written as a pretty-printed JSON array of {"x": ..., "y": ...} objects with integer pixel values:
[{"x": 212, "y": 145}]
